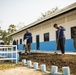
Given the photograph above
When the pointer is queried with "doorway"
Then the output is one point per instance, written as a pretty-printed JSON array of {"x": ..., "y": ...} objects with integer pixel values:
[{"x": 37, "y": 42}]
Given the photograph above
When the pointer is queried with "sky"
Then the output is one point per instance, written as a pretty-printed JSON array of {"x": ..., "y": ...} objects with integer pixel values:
[{"x": 25, "y": 12}]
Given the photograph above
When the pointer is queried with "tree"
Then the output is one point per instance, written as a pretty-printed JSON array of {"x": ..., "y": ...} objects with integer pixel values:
[
  {"x": 3, "y": 33},
  {"x": 11, "y": 28}
]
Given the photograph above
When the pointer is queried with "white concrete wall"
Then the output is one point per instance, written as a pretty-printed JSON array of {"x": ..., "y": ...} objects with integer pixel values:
[
  {"x": 67, "y": 20},
  {"x": 18, "y": 36}
]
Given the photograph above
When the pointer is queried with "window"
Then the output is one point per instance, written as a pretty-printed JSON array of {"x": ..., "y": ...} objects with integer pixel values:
[
  {"x": 46, "y": 36},
  {"x": 20, "y": 41},
  {"x": 73, "y": 32}
]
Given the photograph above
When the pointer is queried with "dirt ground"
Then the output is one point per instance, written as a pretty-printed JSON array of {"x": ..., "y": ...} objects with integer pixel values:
[
  {"x": 9, "y": 68},
  {"x": 41, "y": 58},
  {"x": 52, "y": 59},
  {"x": 20, "y": 71}
]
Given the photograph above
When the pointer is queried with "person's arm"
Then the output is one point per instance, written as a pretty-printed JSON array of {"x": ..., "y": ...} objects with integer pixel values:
[
  {"x": 24, "y": 37},
  {"x": 62, "y": 28}
]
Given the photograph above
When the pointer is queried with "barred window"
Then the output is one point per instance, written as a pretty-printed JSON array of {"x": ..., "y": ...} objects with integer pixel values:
[
  {"x": 46, "y": 36},
  {"x": 73, "y": 32}
]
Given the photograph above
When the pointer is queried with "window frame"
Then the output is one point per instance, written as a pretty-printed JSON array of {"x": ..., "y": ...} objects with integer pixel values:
[
  {"x": 20, "y": 41},
  {"x": 46, "y": 37}
]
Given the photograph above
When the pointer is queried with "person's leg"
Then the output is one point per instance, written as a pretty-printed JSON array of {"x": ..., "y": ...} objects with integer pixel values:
[
  {"x": 29, "y": 47},
  {"x": 62, "y": 45},
  {"x": 25, "y": 46}
]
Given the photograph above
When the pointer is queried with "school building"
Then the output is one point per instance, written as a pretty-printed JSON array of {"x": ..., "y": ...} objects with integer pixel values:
[{"x": 44, "y": 34}]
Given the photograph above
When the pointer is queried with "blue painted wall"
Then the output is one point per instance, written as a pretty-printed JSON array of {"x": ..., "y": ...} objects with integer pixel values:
[
  {"x": 69, "y": 45},
  {"x": 20, "y": 47},
  {"x": 50, "y": 46},
  {"x": 33, "y": 46}
]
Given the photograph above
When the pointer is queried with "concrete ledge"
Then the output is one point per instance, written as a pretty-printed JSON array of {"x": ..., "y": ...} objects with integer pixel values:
[
  {"x": 23, "y": 61},
  {"x": 43, "y": 67},
  {"x": 35, "y": 65},
  {"x": 29, "y": 63},
  {"x": 66, "y": 70},
  {"x": 58, "y": 74},
  {"x": 54, "y": 69}
]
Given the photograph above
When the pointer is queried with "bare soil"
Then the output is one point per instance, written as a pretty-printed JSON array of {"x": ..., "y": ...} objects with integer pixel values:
[{"x": 53, "y": 59}]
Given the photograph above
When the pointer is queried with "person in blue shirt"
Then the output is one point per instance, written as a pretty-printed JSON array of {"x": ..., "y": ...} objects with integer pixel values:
[
  {"x": 28, "y": 38},
  {"x": 60, "y": 37},
  {"x": 14, "y": 43}
]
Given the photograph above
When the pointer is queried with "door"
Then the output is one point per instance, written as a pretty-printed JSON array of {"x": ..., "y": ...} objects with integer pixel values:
[{"x": 37, "y": 42}]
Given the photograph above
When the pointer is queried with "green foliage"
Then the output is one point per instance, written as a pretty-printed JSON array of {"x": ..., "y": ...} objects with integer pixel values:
[
  {"x": 11, "y": 28},
  {"x": 5, "y": 33}
]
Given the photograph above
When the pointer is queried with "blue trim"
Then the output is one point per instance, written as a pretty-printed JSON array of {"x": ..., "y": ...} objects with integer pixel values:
[
  {"x": 20, "y": 47},
  {"x": 51, "y": 45},
  {"x": 69, "y": 45},
  {"x": 33, "y": 46}
]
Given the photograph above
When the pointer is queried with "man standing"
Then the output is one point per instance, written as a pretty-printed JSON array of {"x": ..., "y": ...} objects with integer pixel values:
[
  {"x": 28, "y": 39},
  {"x": 60, "y": 37},
  {"x": 14, "y": 43}
]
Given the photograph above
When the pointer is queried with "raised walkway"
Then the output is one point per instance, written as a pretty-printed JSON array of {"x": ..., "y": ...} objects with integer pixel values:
[{"x": 52, "y": 52}]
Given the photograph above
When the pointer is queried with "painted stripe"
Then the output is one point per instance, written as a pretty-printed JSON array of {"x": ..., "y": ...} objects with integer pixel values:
[{"x": 51, "y": 46}]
